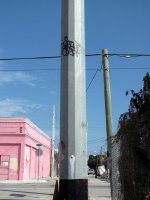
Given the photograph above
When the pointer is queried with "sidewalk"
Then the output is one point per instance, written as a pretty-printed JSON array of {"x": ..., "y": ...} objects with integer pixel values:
[
  {"x": 41, "y": 180},
  {"x": 43, "y": 189},
  {"x": 98, "y": 189},
  {"x": 98, "y": 181}
]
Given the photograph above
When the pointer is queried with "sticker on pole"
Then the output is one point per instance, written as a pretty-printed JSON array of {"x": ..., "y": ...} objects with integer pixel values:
[{"x": 39, "y": 152}]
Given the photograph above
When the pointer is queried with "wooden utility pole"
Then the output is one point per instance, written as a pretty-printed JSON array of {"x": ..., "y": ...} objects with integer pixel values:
[{"x": 108, "y": 110}]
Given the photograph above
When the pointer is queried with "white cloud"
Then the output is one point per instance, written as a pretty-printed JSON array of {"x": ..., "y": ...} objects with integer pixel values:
[
  {"x": 8, "y": 77},
  {"x": 10, "y": 107}
]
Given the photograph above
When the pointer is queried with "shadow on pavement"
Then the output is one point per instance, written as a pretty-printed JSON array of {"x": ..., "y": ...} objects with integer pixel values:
[{"x": 27, "y": 192}]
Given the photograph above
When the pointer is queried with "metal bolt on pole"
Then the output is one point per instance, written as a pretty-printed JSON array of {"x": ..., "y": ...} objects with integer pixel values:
[{"x": 108, "y": 109}]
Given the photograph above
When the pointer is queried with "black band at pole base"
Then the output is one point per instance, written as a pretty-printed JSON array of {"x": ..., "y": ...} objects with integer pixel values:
[{"x": 76, "y": 189}]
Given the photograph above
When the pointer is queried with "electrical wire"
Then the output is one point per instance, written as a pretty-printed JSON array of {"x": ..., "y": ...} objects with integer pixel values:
[
  {"x": 98, "y": 70},
  {"x": 125, "y": 55},
  {"x": 130, "y": 68},
  {"x": 92, "y": 79},
  {"x": 40, "y": 57},
  {"x": 128, "y": 55},
  {"x": 29, "y": 58},
  {"x": 58, "y": 69},
  {"x": 96, "y": 54},
  {"x": 39, "y": 69}
]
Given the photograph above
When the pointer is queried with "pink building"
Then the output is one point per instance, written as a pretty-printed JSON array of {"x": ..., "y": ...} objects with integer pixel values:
[{"x": 18, "y": 150}]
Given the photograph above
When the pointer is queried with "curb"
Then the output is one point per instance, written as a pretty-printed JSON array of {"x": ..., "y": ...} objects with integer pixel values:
[
  {"x": 22, "y": 181},
  {"x": 42, "y": 180}
]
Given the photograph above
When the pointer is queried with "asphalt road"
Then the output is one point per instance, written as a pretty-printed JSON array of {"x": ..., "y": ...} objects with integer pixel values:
[{"x": 98, "y": 190}]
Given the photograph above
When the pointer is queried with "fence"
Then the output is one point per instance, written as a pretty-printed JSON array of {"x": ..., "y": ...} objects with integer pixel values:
[{"x": 116, "y": 187}]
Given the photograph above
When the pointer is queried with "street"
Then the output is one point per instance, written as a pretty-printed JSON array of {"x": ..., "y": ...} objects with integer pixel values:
[
  {"x": 98, "y": 189},
  {"x": 43, "y": 190}
]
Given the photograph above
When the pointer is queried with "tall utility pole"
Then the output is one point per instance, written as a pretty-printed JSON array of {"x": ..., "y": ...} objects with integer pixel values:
[
  {"x": 108, "y": 109},
  {"x": 73, "y": 183},
  {"x": 53, "y": 141}
]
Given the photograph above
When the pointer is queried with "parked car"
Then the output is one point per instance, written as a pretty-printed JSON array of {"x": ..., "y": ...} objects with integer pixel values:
[{"x": 91, "y": 171}]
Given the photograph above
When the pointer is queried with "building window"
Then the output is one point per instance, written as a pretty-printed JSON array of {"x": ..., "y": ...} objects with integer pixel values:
[{"x": 4, "y": 161}]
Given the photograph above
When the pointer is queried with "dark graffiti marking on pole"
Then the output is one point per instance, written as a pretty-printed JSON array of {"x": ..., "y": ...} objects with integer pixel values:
[{"x": 69, "y": 47}]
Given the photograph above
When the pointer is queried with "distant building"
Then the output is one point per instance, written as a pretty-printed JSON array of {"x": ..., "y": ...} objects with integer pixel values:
[{"x": 18, "y": 150}]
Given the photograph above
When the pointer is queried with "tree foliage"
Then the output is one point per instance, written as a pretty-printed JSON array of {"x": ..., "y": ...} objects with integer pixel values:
[
  {"x": 93, "y": 161},
  {"x": 96, "y": 160},
  {"x": 134, "y": 132}
]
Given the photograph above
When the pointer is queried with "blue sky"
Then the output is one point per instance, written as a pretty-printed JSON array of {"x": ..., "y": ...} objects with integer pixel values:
[{"x": 32, "y": 28}]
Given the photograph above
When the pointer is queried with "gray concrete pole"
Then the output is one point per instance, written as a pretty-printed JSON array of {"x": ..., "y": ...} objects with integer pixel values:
[
  {"x": 53, "y": 141},
  {"x": 38, "y": 163},
  {"x": 73, "y": 183},
  {"x": 108, "y": 109}
]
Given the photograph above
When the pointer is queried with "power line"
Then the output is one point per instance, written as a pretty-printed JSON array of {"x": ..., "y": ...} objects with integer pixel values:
[
  {"x": 130, "y": 68},
  {"x": 29, "y": 58},
  {"x": 92, "y": 80},
  {"x": 129, "y": 55},
  {"x": 39, "y": 69},
  {"x": 23, "y": 70},
  {"x": 39, "y": 57},
  {"x": 98, "y": 69},
  {"x": 96, "y": 54},
  {"x": 58, "y": 69},
  {"x": 125, "y": 55}
]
